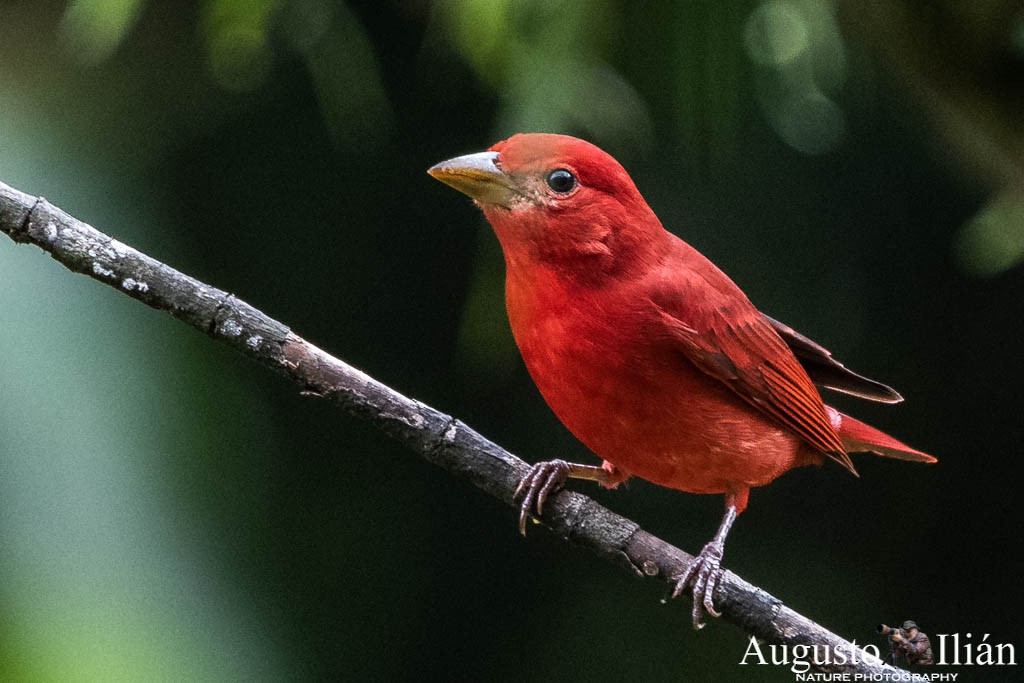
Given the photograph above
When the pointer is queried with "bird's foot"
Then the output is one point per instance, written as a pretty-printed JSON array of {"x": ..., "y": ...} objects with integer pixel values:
[
  {"x": 543, "y": 479},
  {"x": 702, "y": 578}
]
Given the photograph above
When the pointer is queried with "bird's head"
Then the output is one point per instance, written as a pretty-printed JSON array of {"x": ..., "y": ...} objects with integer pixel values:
[{"x": 558, "y": 201}]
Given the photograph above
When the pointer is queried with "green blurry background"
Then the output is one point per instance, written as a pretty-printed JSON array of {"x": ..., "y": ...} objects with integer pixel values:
[{"x": 169, "y": 511}]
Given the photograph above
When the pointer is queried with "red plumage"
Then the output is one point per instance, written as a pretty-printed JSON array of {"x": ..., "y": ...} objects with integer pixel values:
[{"x": 643, "y": 348}]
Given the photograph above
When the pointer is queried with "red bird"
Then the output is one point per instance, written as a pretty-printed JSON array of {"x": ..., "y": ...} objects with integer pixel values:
[{"x": 647, "y": 352}]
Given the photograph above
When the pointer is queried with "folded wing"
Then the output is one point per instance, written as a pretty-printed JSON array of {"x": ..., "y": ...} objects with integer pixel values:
[
  {"x": 739, "y": 347},
  {"x": 826, "y": 371}
]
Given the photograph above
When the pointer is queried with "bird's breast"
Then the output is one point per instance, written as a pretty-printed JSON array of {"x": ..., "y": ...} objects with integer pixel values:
[{"x": 629, "y": 396}]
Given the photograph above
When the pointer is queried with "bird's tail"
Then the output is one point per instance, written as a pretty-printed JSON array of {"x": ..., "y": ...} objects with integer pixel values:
[{"x": 860, "y": 437}]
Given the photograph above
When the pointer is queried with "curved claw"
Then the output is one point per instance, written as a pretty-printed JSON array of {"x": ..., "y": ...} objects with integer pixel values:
[
  {"x": 702, "y": 577},
  {"x": 543, "y": 480}
]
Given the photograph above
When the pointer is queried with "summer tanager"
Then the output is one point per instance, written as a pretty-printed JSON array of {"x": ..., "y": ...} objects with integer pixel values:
[{"x": 648, "y": 353}]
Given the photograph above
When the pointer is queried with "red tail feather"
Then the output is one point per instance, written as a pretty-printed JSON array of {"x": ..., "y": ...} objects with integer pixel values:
[{"x": 858, "y": 436}]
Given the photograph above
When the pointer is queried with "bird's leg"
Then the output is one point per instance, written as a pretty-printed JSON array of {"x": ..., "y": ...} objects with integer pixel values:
[
  {"x": 704, "y": 572},
  {"x": 549, "y": 477}
]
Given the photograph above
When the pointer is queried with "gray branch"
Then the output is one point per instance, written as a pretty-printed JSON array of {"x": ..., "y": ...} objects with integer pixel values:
[{"x": 437, "y": 437}]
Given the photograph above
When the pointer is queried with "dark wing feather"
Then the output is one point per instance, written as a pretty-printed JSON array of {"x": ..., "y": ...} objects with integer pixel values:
[
  {"x": 826, "y": 371},
  {"x": 751, "y": 359}
]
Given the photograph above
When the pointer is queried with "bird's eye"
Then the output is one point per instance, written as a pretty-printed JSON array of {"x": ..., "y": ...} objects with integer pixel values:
[{"x": 560, "y": 180}]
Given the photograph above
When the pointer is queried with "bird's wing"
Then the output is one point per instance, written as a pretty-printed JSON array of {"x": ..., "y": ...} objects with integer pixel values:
[
  {"x": 826, "y": 371},
  {"x": 736, "y": 345}
]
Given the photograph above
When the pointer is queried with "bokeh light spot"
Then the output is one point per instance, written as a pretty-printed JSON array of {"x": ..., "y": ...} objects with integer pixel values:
[
  {"x": 236, "y": 42},
  {"x": 93, "y": 29},
  {"x": 993, "y": 241},
  {"x": 810, "y": 123},
  {"x": 776, "y": 33}
]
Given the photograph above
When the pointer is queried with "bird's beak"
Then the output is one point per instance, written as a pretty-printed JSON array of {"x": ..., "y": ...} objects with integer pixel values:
[{"x": 478, "y": 176}]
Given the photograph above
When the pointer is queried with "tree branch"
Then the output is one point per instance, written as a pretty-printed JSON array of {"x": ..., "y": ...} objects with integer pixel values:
[{"x": 439, "y": 438}]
